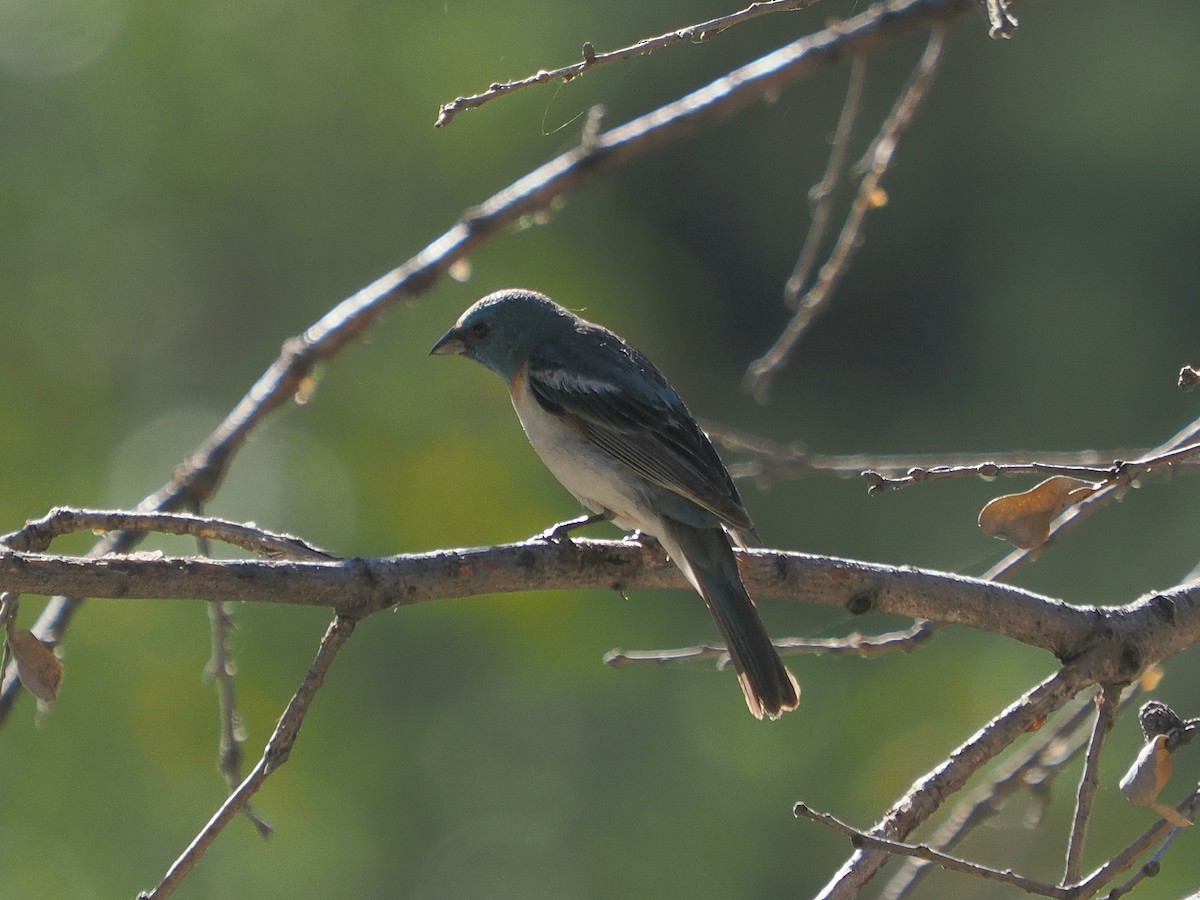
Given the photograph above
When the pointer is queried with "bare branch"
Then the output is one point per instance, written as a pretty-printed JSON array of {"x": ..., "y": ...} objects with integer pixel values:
[
  {"x": 767, "y": 459},
  {"x": 1117, "y": 638},
  {"x": 906, "y": 640},
  {"x": 219, "y": 670},
  {"x": 930, "y": 855},
  {"x": 370, "y": 585},
  {"x": 820, "y": 197},
  {"x": 39, "y": 534},
  {"x": 591, "y": 59},
  {"x": 232, "y": 734},
  {"x": 275, "y": 754},
  {"x": 1089, "y": 781},
  {"x": 1118, "y": 472},
  {"x": 762, "y": 371}
]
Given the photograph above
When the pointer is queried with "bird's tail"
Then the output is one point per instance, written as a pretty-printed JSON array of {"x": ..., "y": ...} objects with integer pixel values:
[{"x": 706, "y": 558}]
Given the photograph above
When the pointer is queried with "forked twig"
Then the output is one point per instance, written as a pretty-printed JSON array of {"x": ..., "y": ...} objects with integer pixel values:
[
  {"x": 861, "y": 839},
  {"x": 232, "y": 733},
  {"x": 220, "y": 671},
  {"x": 906, "y": 640},
  {"x": 821, "y": 195},
  {"x": 759, "y": 457},
  {"x": 875, "y": 164},
  {"x": 591, "y": 59},
  {"x": 38, "y": 534},
  {"x": 1183, "y": 458},
  {"x": 1106, "y": 708},
  {"x": 275, "y": 754}
]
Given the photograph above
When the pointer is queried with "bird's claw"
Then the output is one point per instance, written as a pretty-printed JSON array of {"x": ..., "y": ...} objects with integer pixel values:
[
  {"x": 555, "y": 534},
  {"x": 640, "y": 537}
]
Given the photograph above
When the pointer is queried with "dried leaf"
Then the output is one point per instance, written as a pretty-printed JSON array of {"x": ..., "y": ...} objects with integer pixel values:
[
  {"x": 1024, "y": 519},
  {"x": 37, "y": 666},
  {"x": 1148, "y": 774},
  {"x": 1172, "y": 815}
]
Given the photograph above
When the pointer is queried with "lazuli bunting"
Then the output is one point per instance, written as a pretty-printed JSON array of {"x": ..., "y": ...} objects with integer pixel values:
[{"x": 611, "y": 428}]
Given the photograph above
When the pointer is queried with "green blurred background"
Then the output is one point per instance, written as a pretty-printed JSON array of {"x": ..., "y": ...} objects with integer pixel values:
[{"x": 184, "y": 185}]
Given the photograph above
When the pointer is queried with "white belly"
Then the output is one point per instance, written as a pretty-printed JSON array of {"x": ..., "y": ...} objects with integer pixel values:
[{"x": 597, "y": 480}]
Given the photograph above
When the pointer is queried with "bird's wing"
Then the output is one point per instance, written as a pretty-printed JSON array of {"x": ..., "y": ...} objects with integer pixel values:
[{"x": 618, "y": 399}]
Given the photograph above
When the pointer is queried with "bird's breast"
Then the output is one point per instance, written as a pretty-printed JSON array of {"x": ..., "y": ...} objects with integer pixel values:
[{"x": 595, "y": 478}]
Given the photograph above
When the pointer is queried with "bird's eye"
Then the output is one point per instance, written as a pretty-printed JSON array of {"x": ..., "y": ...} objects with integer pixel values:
[{"x": 480, "y": 330}]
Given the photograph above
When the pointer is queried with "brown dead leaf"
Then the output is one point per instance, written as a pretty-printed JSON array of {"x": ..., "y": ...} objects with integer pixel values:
[
  {"x": 1172, "y": 815},
  {"x": 37, "y": 666},
  {"x": 1024, "y": 519}
]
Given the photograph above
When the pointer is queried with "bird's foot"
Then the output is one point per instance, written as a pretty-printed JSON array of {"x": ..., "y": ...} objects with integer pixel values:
[{"x": 640, "y": 537}]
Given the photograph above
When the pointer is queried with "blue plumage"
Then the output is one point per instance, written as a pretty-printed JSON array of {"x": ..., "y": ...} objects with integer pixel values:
[{"x": 610, "y": 427}]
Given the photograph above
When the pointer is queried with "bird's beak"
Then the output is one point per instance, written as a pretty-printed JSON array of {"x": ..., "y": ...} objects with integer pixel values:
[{"x": 450, "y": 344}]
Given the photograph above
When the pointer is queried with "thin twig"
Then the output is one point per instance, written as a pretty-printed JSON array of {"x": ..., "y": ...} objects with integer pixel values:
[
  {"x": 821, "y": 196},
  {"x": 9, "y": 603},
  {"x": 198, "y": 478},
  {"x": 936, "y": 857},
  {"x": 767, "y": 459},
  {"x": 275, "y": 754},
  {"x": 39, "y": 534},
  {"x": 591, "y": 59},
  {"x": 906, "y": 640},
  {"x": 1119, "y": 471},
  {"x": 762, "y": 371},
  {"x": 219, "y": 670},
  {"x": 1089, "y": 781},
  {"x": 231, "y": 734}
]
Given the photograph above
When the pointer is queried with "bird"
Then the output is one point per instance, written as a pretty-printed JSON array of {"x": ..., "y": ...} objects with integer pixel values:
[{"x": 615, "y": 433}]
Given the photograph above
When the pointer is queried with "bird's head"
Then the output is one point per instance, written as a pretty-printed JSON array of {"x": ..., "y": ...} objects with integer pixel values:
[{"x": 501, "y": 330}]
